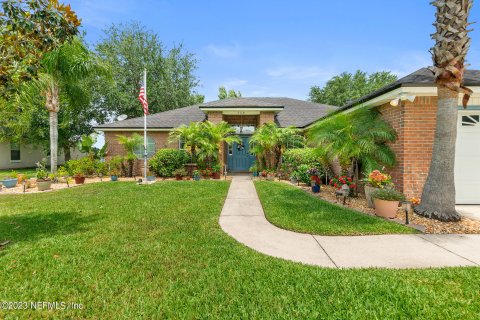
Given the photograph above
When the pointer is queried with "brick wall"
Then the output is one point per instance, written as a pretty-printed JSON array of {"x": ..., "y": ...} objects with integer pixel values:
[
  {"x": 215, "y": 116},
  {"x": 415, "y": 126},
  {"x": 115, "y": 148},
  {"x": 265, "y": 117},
  {"x": 236, "y": 119}
]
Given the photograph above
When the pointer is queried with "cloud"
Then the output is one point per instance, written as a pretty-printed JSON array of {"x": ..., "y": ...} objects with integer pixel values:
[
  {"x": 300, "y": 73},
  {"x": 224, "y": 51},
  {"x": 409, "y": 62}
]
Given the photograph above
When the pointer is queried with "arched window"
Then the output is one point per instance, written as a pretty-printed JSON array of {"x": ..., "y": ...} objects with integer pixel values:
[{"x": 150, "y": 148}]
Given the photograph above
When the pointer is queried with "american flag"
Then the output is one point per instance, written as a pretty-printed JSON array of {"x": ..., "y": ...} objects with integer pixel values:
[{"x": 143, "y": 99}]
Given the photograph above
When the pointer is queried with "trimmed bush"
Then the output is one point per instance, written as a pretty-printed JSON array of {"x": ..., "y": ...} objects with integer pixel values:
[
  {"x": 166, "y": 161},
  {"x": 86, "y": 165},
  {"x": 294, "y": 158}
]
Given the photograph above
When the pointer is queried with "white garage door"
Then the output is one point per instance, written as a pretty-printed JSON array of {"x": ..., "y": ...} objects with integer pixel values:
[{"x": 467, "y": 160}]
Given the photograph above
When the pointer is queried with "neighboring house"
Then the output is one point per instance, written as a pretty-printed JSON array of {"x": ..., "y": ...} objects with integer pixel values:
[
  {"x": 415, "y": 123},
  {"x": 244, "y": 114},
  {"x": 16, "y": 156}
]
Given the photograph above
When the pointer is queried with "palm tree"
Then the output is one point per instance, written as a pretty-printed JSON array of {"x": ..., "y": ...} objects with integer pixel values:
[
  {"x": 190, "y": 135},
  {"x": 451, "y": 47},
  {"x": 269, "y": 142},
  {"x": 360, "y": 137},
  {"x": 212, "y": 136},
  {"x": 61, "y": 71},
  {"x": 130, "y": 144}
]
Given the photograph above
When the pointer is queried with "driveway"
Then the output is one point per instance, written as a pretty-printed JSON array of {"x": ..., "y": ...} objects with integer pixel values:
[{"x": 471, "y": 211}]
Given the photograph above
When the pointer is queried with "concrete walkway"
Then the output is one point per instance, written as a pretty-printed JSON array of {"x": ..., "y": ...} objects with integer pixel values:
[{"x": 243, "y": 218}]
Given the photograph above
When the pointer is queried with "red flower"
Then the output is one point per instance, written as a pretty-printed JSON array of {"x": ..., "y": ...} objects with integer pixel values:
[
  {"x": 335, "y": 185},
  {"x": 349, "y": 179},
  {"x": 353, "y": 186}
]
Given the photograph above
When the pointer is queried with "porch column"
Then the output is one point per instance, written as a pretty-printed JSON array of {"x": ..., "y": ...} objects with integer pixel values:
[{"x": 266, "y": 117}]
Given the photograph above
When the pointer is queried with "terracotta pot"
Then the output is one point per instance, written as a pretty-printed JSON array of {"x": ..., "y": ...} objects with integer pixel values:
[
  {"x": 216, "y": 175},
  {"x": 368, "y": 195},
  {"x": 43, "y": 185},
  {"x": 386, "y": 209},
  {"x": 178, "y": 177},
  {"x": 79, "y": 180}
]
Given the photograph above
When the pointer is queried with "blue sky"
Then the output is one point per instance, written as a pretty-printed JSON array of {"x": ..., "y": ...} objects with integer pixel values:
[{"x": 282, "y": 48}]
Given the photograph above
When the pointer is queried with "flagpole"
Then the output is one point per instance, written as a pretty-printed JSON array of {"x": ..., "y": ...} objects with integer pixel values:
[{"x": 145, "y": 130}]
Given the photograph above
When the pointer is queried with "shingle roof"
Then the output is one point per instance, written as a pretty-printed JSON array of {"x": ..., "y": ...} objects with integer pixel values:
[
  {"x": 420, "y": 78},
  {"x": 295, "y": 112}
]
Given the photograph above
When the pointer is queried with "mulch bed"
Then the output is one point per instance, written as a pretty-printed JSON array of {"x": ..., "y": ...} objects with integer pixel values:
[{"x": 464, "y": 226}]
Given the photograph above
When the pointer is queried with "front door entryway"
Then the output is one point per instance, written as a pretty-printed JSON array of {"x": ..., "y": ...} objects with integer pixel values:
[{"x": 239, "y": 157}]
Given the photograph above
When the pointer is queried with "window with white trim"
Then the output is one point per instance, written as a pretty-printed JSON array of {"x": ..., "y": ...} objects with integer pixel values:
[
  {"x": 471, "y": 120},
  {"x": 14, "y": 151},
  {"x": 151, "y": 148}
]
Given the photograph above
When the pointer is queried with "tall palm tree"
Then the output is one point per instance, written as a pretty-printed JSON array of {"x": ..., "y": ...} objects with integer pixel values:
[
  {"x": 360, "y": 137},
  {"x": 61, "y": 71},
  {"x": 190, "y": 135},
  {"x": 130, "y": 143},
  {"x": 451, "y": 47}
]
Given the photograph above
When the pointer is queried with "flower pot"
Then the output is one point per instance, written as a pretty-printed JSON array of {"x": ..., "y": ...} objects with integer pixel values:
[
  {"x": 293, "y": 180},
  {"x": 255, "y": 174},
  {"x": 196, "y": 177},
  {"x": 43, "y": 185},
  {"x": 114, "y": 178},
  {"x": 216, "y": 175},
  {"x": 316, "y": 188},
  {"x": 9, "y": 183},
  {"x": 178, "y": 177},
  {"x": 368, "y": 195},
  {"x": 386, "y": 209},
  {"x": 79, "y": 180},
  {"x": 270, "y": 177},
  {"x": 150, "y": 178}
]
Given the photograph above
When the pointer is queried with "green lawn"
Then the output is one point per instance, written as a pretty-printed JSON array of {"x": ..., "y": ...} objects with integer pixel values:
[
  {"x": 30, "y": 172},
  {"x": 291, "y": 208},
  {"x": 154, "y": 252}
]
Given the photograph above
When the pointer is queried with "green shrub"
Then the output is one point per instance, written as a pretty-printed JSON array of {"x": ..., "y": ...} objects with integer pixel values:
[
  {"x": 294, "y": 158},
  {"x": 86, "y": 166},
  {"x": 166, "y": 161},
  {"x": 388, "y": 195},
  {"x": 303, "y": 174}
]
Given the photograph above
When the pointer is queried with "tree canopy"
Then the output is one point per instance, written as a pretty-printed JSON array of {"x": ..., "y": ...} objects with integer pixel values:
[
  {"x": 224, "y": 94},
  {"x": 28, "y": 30},
  {"x": 346, "y": 86},
  {"x": 128, "y": 49}
]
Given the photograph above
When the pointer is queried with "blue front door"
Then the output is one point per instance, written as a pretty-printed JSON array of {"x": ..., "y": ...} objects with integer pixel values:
[{"x": 239, "y": 157}]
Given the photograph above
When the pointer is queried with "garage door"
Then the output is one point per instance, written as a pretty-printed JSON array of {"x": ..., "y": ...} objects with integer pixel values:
[{"x": 467, "y": 159}]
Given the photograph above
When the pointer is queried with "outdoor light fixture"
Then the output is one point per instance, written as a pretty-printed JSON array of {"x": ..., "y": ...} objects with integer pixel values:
[
  {"x": 395, "y": 102},
  {"x": 406, "y": 205},
  {"x": 24, "y": 183}
]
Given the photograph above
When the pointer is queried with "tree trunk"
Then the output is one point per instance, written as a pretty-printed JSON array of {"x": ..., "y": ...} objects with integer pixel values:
[
  {"x": 336, "y": 167},
  {"x": 67, "y": 154},
  {"x": 438, "y": 197},
  {"x": 53, "y": 117}
]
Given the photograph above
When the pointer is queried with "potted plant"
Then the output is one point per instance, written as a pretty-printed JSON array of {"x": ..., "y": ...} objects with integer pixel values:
[
  {"x": 114, "y": 173},
  {"x": 44, "y": 182},
  {"x": 375, "y": 180},
  {"x": 338, "y": 182},
  {"x": 216, "y": 169},
  {"x": 386, "y": 202},
  {"x": 294, "y": 177},
  {"x": 196, "y": 175},
  {"x": 254, "y": 170},
  {"x": 206, "y": 173},
  {"x": 79, "y": 176},
  {"x": 179, "y": 173},
  {"x": 150, "y": 176},
  {"x": 269, "y": 174},
  {"x": 9, "y": 182}
]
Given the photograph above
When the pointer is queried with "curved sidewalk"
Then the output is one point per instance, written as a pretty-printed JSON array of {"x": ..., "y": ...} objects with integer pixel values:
[{"x": 243, "y": 218}]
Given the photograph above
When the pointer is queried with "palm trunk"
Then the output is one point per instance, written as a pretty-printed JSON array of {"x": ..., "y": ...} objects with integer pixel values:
[
  {"x": 336, "y": 167},
  {"x": 438, "y": 197},
  {"x": 53, "y": 118}
]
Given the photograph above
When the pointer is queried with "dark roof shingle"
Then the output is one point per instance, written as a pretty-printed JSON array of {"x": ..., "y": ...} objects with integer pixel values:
[{"x": 295, "y": 112}]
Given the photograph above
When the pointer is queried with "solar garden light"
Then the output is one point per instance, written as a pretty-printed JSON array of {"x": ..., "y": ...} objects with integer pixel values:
[
  {"x": 406, "y": 205},
  {"x": 24, "y": 183},
  {"x": 225, "y": 172}
]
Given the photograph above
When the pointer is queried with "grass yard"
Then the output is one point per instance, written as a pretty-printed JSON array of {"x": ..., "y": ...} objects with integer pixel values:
[
  {"x": 128, "y": 252},
  {"x": 30, "y": 172},
  {"x": 291, "y": 208}
]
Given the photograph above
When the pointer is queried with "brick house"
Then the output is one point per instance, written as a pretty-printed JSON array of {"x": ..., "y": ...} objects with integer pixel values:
[
  {"x": 244, "y": 114},
  {"x": 410, "y": 106}
]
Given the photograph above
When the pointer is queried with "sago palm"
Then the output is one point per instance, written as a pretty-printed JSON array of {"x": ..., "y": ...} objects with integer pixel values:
[
  {"x": 129, "y": 144},
  {"x": 361, "y": 137},
  {"x": 451, "y": 46}
]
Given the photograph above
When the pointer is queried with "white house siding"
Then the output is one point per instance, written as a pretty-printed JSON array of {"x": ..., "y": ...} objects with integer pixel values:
[{"x": 29, "y": 156}]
